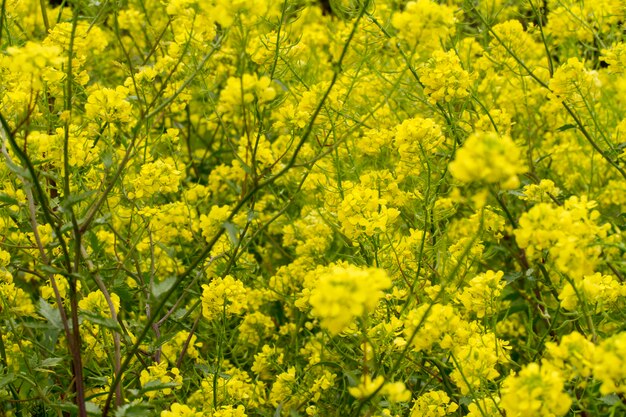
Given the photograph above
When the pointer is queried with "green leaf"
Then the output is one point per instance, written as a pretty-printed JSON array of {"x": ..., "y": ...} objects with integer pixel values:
[
  {"x": 516, "y": 193},
  {"x": 107, "y": 159},
  {"x": 51, "y": 270},
  {"x": 69, "y": 407},
  {"x": 73, "y": 199},
  {"x": 92, "y": 409},
  {"x": 6, "y": 380},
  {"x": 50, "y": 313},
  {"x": 134, "y": 410},
  {"x": 232, "y": 231},
  {"x": 160, "y": 288},
  {"x": 157, "y": 386},
  {"x": 466, "y": 400},
  {"x": 50, "y": 362},
  {"x": 107, "y": 322},
  {"x": 513, "y": 309},
  {"x": 6, "y": 199},
  {"x": 566, "y": 127},
  {"x": 512, "y": 276},
  {"x": 18, "y": 170},
  {"x": 610, "y": 399}
]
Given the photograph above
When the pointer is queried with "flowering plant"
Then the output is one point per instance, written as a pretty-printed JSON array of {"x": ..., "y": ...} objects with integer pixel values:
[{"x": 227, "y": 208}]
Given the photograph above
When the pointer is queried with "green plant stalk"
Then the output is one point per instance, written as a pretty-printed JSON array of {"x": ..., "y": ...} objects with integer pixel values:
[
  {"x": 77, "y": 362},
  {"x": 543, "y": 37},
  {"x": 44, "y": 15},
  {"x": 2, "y": 18}
]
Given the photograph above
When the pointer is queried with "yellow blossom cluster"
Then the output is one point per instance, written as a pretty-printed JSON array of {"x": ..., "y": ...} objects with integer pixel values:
[
  {"x": 574, "y": 84},
  {"x": 535, "y": 391},
  {"x": 108, "y": 105},
  {"x": 223, "y": 296},
  {"x": 364, "y": 212},
  {"x": 444, "y": 78},
  {"x": 159, "y": 380},
  {"x": 564, "y": 233},
  {"x": 160, "y": 176},
  {"x": 344, "y": 294},
  {"x": 433, "y": 404},
  {"x": 488, "y": 157},
  {"x": 424, "y": 24},
  {"x": 482, "y": 293}
]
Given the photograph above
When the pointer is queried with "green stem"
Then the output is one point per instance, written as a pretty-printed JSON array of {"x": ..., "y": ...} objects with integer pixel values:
[{"x": 44, "y": 15}]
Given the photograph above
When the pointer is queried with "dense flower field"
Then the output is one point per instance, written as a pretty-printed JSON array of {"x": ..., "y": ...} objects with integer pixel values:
[{"x": 220, "y": 208}]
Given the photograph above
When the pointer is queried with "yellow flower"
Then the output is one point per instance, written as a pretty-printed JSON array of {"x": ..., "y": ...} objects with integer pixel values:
[
  {"x": 34, "y": 63},
  {"x": 569, "y": 234},
  {"x": 417, "y": 139},
  {"x": 615, "y": 57},
  {"x": 255, "y": 327},
  {"x": 211, "y": 223},
  {"x": 159, "y": 374},
  {"x": 496, "y": 120},
  {"x": 5, "y": 259},
  {"x": 160, "y": 176},
  {"x": 16, "y": 299},
  {"x": 396, "y": 392},
  {"x": 481, "y": 296},
  {"x": 266, "y": 361},
  {"x": 230, "y": 411},
  {"x": 363, "y": 211},
  {"x": 344, "y": 293},
  {"x": 174, "y": 346},
  {"x": 181, "y": 410},
  {"x": 283, "y": 387},
  {"x": 536, "y": 391},
  {"x": 107, "y": 105},
  {"x": 574, "y": 84},
  {"x": 581, "y": 20},
  {"x": 476, "y": 361},
  {"x": 573, "y": 355},
  {"x": 88, "y": 39},
  {"x": 610, "y": 365},
  {"x": 424, "y": 24},
  {"x": 544, "y": 192},
  {"x": 444, "y": 78},
  {"x": 47, "y": 292},
  {"x": 96, "y": 303},
  {"x": 484, "y": 407},
  {"x": 433, "y": 404},
  {"x": 223, "y": 296},
  {"x": 488, "y": 157},
  {"x": 600, "y": 292},
  {"x": 437, "y": 327},
  {"x": 241, "y": 92},
  {"x": 367, "y": 386}
]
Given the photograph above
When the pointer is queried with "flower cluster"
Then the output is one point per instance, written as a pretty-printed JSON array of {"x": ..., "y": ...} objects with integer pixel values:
[
  {"x": 488, "y": 157},
  {"x": 444, "y": 78},
  {"x": 343, "y": 294}
]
